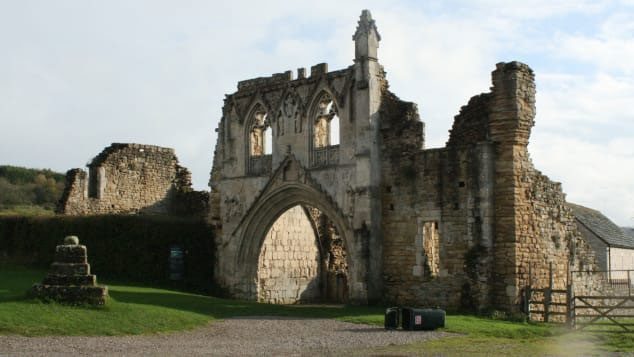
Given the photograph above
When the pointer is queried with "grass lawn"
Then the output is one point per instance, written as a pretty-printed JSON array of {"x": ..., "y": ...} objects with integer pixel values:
[
  {"x": 26, "y": 210},
  {"x": 140, "y": 310}
]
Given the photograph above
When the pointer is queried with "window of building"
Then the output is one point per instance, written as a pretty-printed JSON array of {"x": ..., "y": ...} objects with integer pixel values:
[
  {"x": 431, "y": 248},
  {"x": 324, "y": 132},
  {"x": 259, "y": 135}
]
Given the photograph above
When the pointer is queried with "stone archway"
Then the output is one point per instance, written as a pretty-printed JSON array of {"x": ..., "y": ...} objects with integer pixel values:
[
  {"x": 302, "y": 260},
  {"x": 268, "y": 208}
]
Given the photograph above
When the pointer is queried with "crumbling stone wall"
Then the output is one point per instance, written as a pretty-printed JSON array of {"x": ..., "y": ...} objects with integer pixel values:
[
  {"x": 333, "y": 262},
  {"x": 131, "y": 178},
  {"x": 457, "y": 226},
  {"x": 496, "y": 215}
]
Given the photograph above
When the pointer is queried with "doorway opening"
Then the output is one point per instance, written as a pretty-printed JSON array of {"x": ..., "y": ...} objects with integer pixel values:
[{"x": 302, "y": 260}]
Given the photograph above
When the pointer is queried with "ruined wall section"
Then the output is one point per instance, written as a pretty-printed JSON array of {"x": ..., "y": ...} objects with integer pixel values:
[
  {"x": 129, "y": 178},
  {"x": 534, "y": 228},
  {"x": 437, "y": 214},
  {"x": 437, "y": 222},
  {"x": 471, "y": 126},
  {"x": 495, "y": 214},
  {"x": 290, "y": 105}
]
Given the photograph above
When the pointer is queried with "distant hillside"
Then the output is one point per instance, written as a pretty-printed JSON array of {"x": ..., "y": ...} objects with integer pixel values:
[{"x": 29, "y": 191}]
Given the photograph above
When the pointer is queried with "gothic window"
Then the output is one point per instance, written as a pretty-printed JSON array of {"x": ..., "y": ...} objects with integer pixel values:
[
  {"x": 260, "y": 134},
  {"x": 268, "y": 141},
  {"x": 334, "y": 128},
  {"x": 326, "y": 120}
]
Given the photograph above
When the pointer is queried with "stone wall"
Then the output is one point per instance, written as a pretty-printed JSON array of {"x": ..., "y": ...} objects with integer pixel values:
[
  {"x": 458, "y": 227},
  {"x": 132, "y": 178},
  {"x": 437, "y": 210},
  {"x": 249, "y": 190},
  {"x": 289, "y": 261},
  {"x": 496, "y": 215}
]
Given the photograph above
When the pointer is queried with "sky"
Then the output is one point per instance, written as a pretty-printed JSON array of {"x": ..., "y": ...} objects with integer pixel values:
[{"x": 78, "y": 75}]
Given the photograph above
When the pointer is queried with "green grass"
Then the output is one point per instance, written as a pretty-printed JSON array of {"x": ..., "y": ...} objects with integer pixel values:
[
  {"x": 141, "y": 310},
  {"x": 134, "y": 310},
  {"x": 26, "y": 210}
]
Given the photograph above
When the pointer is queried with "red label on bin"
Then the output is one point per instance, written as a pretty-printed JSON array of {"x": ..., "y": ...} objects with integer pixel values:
[{"x": 418, "y": 320}]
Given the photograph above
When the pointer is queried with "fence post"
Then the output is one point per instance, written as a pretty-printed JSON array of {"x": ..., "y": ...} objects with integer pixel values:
[
  {"x": 548, "y": 293},
  {"x": 629, "y": 283},
  {"x": 570, "y": 301},
  {"x": 527, "y": 301}
]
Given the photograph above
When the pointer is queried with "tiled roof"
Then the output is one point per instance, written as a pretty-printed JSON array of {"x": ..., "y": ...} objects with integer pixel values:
[{"x": 602, "y": 226}]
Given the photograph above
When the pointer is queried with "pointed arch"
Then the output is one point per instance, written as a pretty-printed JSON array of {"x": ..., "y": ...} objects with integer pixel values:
[
  {"x": 324, "y": 149},
  {"x": 257, "y": 139},
  {"x": 269, "y": 207},
  {"x": 290, "y": 113},
  {"x": 321, "y": 89}
]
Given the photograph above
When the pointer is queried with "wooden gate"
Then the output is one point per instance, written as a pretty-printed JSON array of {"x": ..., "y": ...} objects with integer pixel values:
[
  {"x": 547, "y": 304},
  {"x": 604, "y": 303},
  {"x": 611, "y": 308}
]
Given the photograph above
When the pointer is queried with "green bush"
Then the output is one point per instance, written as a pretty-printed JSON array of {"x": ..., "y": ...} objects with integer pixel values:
[{"x": 132, "y": 248}]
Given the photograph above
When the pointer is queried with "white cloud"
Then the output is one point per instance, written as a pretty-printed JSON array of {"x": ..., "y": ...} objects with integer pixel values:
[
  {"x": 78, "y": 75},
  {"x": 592, "y": 174}
]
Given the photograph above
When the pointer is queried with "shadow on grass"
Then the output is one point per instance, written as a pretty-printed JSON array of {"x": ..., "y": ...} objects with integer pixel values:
[
  {"x": 16, "y": 283},
  {"x": 224, "y": 308}
]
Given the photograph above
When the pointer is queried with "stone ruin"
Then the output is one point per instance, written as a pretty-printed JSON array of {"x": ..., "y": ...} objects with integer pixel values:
[
  {"x": 132, "y": 178},
  {"x": 69, "y": 280},
  {"x": 322, "y": 190},
  {"x": 458, "y": 227}
]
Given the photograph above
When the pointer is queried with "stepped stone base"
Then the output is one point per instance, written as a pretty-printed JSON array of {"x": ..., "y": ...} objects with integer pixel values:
[
  {"x": 76, "y": 294},
  {"x": 69, "y": 280}
]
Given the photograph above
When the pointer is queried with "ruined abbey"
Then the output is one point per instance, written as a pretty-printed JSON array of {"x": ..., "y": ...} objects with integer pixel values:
[
  {"x": 456, "y": 226},
  {"x": 322, "y": 190}
]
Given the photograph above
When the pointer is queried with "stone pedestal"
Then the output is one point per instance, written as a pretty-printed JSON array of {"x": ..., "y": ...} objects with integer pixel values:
[{"x": 69, "y": 280}]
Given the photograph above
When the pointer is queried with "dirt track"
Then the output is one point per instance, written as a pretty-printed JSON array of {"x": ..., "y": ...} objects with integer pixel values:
[{"x": 249, "y": 336}]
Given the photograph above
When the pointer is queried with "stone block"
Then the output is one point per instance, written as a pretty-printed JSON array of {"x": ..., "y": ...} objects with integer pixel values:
[
  {"x": 70, "y": 268},
  {"x": 93, "y": 295},
  {"x": 52, "y": 279},
  {"x": 70, "y": 254}
]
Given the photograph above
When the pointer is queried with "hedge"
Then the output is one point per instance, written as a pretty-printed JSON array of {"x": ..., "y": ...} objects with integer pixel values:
[{"x": 130, "y": 248}]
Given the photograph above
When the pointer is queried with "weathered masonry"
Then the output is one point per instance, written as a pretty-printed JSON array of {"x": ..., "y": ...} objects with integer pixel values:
[
  {"x": 131, "y": 178},
  {"x": 367, "y": 212}
]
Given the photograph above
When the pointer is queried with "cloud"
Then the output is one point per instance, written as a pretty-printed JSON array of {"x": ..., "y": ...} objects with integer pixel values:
[
  {"x": 78, "y": 75},
  {"x": 592, "y": 174}
]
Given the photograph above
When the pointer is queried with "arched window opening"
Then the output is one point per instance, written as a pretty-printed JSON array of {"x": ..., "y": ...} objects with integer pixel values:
[
  {"x": 334, "y": 126},
  {"x": 325, "y": 135},
  {"x": 260, "y": 142},
  {"x": 326, "y": 112},
  {"x": 257, "y": 135},
  {"x": 268, "y": 141}
]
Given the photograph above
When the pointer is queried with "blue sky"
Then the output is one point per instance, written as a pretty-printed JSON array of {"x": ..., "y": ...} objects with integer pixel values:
[{"x": 76, "y": 76}]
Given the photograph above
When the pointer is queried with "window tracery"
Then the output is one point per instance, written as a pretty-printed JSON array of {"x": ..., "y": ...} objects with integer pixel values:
[
  {"x": 326, "y": 114},
  {"x": 258, "y": 134}
]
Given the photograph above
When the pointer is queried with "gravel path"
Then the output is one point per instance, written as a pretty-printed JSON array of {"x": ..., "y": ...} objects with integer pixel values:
[{"x": 251, "y": 336}]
